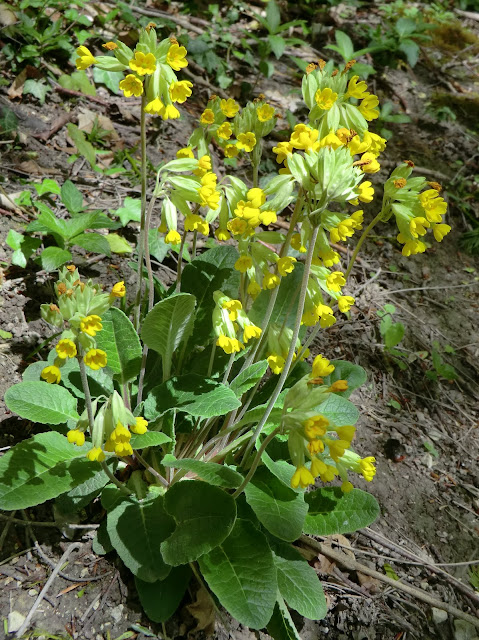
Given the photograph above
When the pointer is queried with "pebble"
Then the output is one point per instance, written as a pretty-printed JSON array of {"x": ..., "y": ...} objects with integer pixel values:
[
  {"x": 438, "y": 615},
  {"x": 32, "y": 592},
  {"x": 117, "y": 613},
  {"x": 15, "y": 621}
]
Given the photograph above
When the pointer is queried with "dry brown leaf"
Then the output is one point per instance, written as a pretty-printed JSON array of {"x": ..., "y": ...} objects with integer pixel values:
[
  {"x": 30, "y": 166},
  {"x": 338, "y": 543},
  {"x": 16, "y": 89},
  {"x": 368, "y": 582},
  {"x": 86, "y": 122},
  {"x": 203, "y": 611},
  {"x": 7, "y": 16},
  {"x": 8, "y": 201}
]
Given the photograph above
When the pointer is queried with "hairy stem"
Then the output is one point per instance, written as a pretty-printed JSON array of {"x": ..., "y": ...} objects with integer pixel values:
[
  {"x": 255, "y": 463},
  {"x": 139, "y": 274},
  {"x": 361, "y": 240}
]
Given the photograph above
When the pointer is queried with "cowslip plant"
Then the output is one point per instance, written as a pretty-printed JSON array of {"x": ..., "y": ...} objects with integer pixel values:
[{"x": 197, "y": 417}]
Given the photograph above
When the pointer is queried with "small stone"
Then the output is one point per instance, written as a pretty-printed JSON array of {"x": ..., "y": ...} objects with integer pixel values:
[
  {"x": 117, "y": 613},
  {"x": 438, "y": 615},
  {"x": 15, "y": 621},
  {"x": 32, "y": 592}
]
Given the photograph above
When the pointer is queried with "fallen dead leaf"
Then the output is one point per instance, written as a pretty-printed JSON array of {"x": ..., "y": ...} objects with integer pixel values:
[
  {"x": 16, "y": 89},
  {"x": 30, "y": 166},
  {"x": 338, "y": 543},
  {"x": 86, "y": 122},
  {"x": 7, "y": 16},
  {"x": 203, "y": 611}
]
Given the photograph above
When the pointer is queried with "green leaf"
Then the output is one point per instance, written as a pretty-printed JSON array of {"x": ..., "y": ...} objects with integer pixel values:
[
  {"x": 280, "y": 469},
  {"x": 345, "y": 45},
  {"x": 277, "y": 44},
  {"x": 273, "y": 16},
  {"x": 352, "y": 373},
  {"x": 47, "y": 186},
  {"x": 42, "y": 468},
  {"x": 118, "y": 244},
  {"x": 394, "y": 335},
  {"x": 120, "y": 341},
  {"x": 78, "y": 81},
  {"x": 36, "y": 88},
  {"x": 5, "y": 335},
  {"x": 71, "y": 197},
  {"x": 158, "y": 247},
  {"x": 84, "y": 147},
  {"x": 136, "y": 528},
  {"x": 213, "y": 270},
  {"x": 204, "y": 517},
  {"x": 241, "y": 573},
  {"x": 280, "y": 509},
  {"x": 298, "y": 583},
  {"x": 339, "y": 410},
  {"x": 167, "y": 325},
  {"x": 161, "y": 599},
  {"x": 101, "y": 543},
  {"x": 52, "y": 258},
  {"x": 93, "y": 242},
  {"x": 281, "y": 625},
  {"x": 332, "y": 511},
  {"x": 131, "y": 210},
  {"x": 148, "y": 439},
  {"x": 49, "y": 221},
  {"x": 211, "y": 472},
  {"x": 84, "y": 493},
  {"x": 14, "y": 239},
  {"x": 193, "y": 394},
  {"x": 41, "y": 402},
  {"x": 248, "y": 378},
  {"x": 111, "y": 79},
  {"x": 284, "y": 310}
]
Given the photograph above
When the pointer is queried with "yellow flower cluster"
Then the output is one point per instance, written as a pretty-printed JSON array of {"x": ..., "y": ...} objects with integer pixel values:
[{"x": 228, "y": 319}]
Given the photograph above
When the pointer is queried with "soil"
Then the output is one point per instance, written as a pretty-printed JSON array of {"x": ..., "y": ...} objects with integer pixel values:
[{"x": 421, "y": 427}]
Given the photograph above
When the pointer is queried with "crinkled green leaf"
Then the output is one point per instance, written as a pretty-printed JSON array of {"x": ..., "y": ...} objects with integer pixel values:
[
  {"x": 332, "y": 511},
  {"x": 41, "y": 402}
]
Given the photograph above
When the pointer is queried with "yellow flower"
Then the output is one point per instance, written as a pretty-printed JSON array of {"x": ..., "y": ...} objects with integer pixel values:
[
  {"x": 282, "y": 151},
  {"x": 243, "y": 264},
  {"x": 270, "y": 280},
  {"x": 251, "y": 331},
  {"x": 229, "y": 345},
  {"x": 229, "y": 107},
  {"x": 345, "y": 303},
  {"x": 95, "y": 455},
  {"x": 180, "y": 91},
  {"x": 169, "y": 112},
  {"x": 347, "y": 432},
  {"x": 302, "y": 477},
  {"x": 91, "y": 325},
  {"x": 118, "y": 290},
  {"x": 265, "y": 112},
  {"x": 225, "y": 131},
  {"x": 268, "y": 217},
  {"x": 433, "y": 205},
  {"x": 231, "y": 151},
  {"x": 86, "y": 58},
  {"x": 338, "y": 386},
  {"x": 143, "y": 63},
  {"x": 51, "y": 374},
  {"x": 222, "y": 235},
  {"x": 253, "y": 289},
  {"x": 368, "y": 469},
  {"x": 285, "y": 265},
  {"x": 337, "y": 448},
  {"x": 207, "y": 117},
  {"x": 418, "y": 227},
  {"x": 246, "y": 141},
  {"x": 173, "y": 237},
  {"x": 209, "y": 197},
  {"x": 303, "y": 137},
  {"x": 111, "y": 46},
  {"x": 347, "y": 487},
  {"x": 335, "y": 281},
  {"x": 176, "y": 57},
  {"x": 75, "y": 436},
  {"x": 66, "y": 349},
  {"x": 140, "y": 426},
  {"x": 186, "y": 152},
  {"x": 276, "y": 363},
  {"x": 357, "y": 89},
  {"x": 321, "y": 367},
  {"x": 366, "y": 191},
  {"x": 95, "y": 359},
  {"x": 412, "y": 247},
  {"x": 154, "y": 107},
  {"x": 368, "y": 163},
  {"x": 297, "y": 244},
  {"x": 315, "y": 427},
  {"x": 131, "y": 86},
  {"x": 325, "y": 98},
  {"x": 233, "y": 306},
  {"x": 331, "y": 140},
  {"x": 194, "y": 222},
  {"x": 367, "y": 107},
  {"x": 204, "y": 165},
  {"x": 440, "y": 230},
  {"x": 237, "y": 226}
]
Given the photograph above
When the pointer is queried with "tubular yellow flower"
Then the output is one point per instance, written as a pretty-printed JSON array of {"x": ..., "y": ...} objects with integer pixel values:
[
  {"x": 95, "y": 455},
  {"x": 368, "y": 469},
  {"x": 367, "y": 107},
  {"x": 357, "y": 89},
  {"x": 282, "y": 151},
  {"x": 180, "y": 91},
  {"x": 154, "y": 107},
  {"x": 225, "y": 131},
  {"x": 347, "y": 432},
  {"x": 169, "y": 112},
  {"x": 270, "y": 280},
  {"x": 440, "y": 230},
  {"x": 110, "y": 46},
  {"x": 243, "y": 264},
  {"x": 418, "y": 227},
  {"x": 303, "y": 137},
  {"x": 302, "y": 477},
  {"x": 143, "y": 63},
  {"x": 368, "y": 163},
  {"x": 204, "y": 165},
  {"x": 207, "y": 117},
  {"x": 229, "y": 107},
  {"x": 222, "y": 235},
  {"x": 231, "y": 151},
  {"x": 140, "y": 426},
  {"x": 229, "y": 345},
  {"x": 335, "y": 281},
  {"x": 321, "y": 367},
  {"x": 86, "y": 58},
  {"x": 337, "y": 448},
  {"x": 233, "y": 306},
  {"x": 253, "y": 289},
  {"x": 91, "y": 325},
  {"x": 433, "y": 205},
  {"x": 209, "y": 197},
  {"x": 276, "y": 363},
  {"x": 176, "y": 57},
  {"x": 118, "y": 290},
  {"x": 297, "y": 244},
  {"x": 186, "y": 152},
  {"x": 366, "y": 191},
  {"x": 325, "y": 98},
  {"x": 51, "y": 374},
  {"x": 345, "y": 303},
  {"x": 131, "y": 86},
  {"x": 265, "y": 112},
  {"x": 347, "y": 487},
  {"x": 66, "y": 349},
  {"x": 338, "y": 387},
  {"x": 95, "y": 359},
  {"x": 75, "y": 436},
  {"x": 285, "y": 265},
  {"x": 315, "y": 427},
  {"x": 173, "y": 237},
  {"x": 246, "y": 141},
  {"x": 251, "y": 331},
  {"x": 194, "y": 222},
  {"x": 267, "y": 218}
]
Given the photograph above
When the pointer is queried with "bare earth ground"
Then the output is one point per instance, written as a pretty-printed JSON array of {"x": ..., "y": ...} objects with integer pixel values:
[{"x": 423, "y": 432}]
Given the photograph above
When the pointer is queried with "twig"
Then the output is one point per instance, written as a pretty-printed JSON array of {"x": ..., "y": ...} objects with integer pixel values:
[
  {"x": 5, "y": 532},
  {"x": 48, "y": 584},
  {"x": 182, "y": 22},
  {"x": 450, "y": 286},
  {"x": 60, "y": 122},
  {"x": 63, "y": 575},
  {"x": 47, "y": 524},
  {"x": 352, "y": 565},
  {"x": 79, "y": 94}
]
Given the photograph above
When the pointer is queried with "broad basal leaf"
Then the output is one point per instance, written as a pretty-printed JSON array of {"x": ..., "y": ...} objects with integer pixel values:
[
  {"x": 213, "y": 473},
  {"x": 41, "y": 402},
  {"x": 332, "y": 511},
  {"x": 121, "y": 343},
  {"x": 160, "y": 599}
]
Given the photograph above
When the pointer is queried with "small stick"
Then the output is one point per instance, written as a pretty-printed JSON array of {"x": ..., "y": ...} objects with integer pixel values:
[
  {"x": 353, "y": 565},
  {"x": 48, "y": 584},
  {"x": 47, "y": 524},
  {"x": 79, "y": 94},
  {"x": 56, "y": 126}
]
